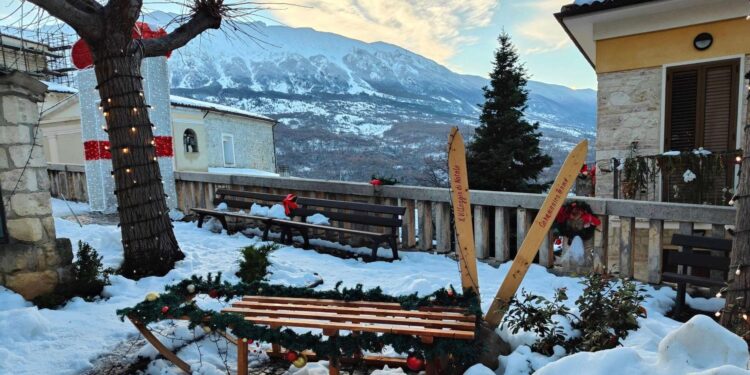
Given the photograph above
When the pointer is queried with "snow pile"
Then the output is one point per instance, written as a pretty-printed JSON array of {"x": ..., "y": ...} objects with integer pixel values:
[
  {"x": 61, "y": 208},
  {"x": 698, "y": 345},
  {"x": 701, "y": 152},
  {"x": 575, "y": 253},
  {"x": 671, "y": 153},
  {"x": 688, "y": 176},
  {"x": 242, "y": 171},
  {"x": 276, "y": 211},
  {"x": 318, "y": 219},
  {"x": 222, "y": 207}
]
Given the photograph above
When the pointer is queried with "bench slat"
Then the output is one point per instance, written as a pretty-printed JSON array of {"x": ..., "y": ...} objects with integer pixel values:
[
  {"x": 690, "y": 279},
  {"x": 360, "y": 327},
  {"x": 327, "y": 203},
  {"x": 707, "y": 243},
  {"x": 350, "y": 217},
  {"x": 299, "y": 224},
  {"x": 335, "y": 317},
  {"x": 322, "y": 302},
  {"x": 357, "y": 310},
  {"x": 698, "y": 260}
]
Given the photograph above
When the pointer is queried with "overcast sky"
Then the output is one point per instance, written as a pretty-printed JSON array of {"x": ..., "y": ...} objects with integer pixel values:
[{"x": 460, "y": 34}]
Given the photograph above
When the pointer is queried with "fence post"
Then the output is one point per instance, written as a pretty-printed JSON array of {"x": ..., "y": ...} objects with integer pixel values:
[
  {"x": 655, "y": 252},
  {"x": 481, "y": 232},
  {"x": 425, "y": 225},
  {"x": 502, "y": 233},
  {"x": 627, "y": 239},
  {"x": 443, "y": 227}
]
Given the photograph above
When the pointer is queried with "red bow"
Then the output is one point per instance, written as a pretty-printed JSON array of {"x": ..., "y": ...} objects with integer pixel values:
[
  {"x": 290, "y": 203},
  {"x": 589, "y": 219}
]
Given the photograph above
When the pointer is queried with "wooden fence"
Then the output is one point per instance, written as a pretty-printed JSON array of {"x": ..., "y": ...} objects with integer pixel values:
[
  {"x": 68, "y": 180},
  {"x": 632, "y": 236}
]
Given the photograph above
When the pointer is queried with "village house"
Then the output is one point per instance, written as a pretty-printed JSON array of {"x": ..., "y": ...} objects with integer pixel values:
[
  {"x": 670, "y": 81},
  {"x": 207, "y": 136}
]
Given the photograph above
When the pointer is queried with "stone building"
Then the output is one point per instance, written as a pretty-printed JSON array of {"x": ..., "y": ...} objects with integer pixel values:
[
  {"x": 206, "y": 135},
  {"x": 670, "y": 78}
]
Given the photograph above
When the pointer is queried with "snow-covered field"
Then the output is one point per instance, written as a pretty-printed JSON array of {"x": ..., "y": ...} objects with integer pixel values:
[{"x": 66, "y": 341}]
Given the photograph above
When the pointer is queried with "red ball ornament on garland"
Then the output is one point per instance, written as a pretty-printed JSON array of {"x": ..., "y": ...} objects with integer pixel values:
[
  {"x": 291, "y": 356},
  {"x": 213, "y": 293},
  {"x": 376, "y": 182},
  {"x": 165, "y": 309},
  {"x": 414, "y": 362}
]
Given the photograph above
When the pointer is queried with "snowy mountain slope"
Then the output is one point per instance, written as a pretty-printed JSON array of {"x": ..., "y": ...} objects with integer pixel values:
[{"x": 361, "y": 108}]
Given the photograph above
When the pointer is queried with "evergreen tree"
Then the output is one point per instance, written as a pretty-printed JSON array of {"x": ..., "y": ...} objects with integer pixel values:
[{"x": 504, "y": 154}]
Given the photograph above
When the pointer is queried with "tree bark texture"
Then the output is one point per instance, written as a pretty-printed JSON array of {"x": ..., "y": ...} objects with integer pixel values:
[
  {"x": 150, "y": 247},
  {"x": 738, "y": 291}
]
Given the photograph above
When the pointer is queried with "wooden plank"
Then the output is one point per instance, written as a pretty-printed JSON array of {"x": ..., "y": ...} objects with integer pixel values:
[
  {"x": 359, "y": 311},
  {"x": 601, "y": 246},
  {"x": 717, "y": 231},
  {"x": 699, "y": 242},
  {"x": 408, "y": 236},
  {"x": 655, "y": 251},
  {"x": 378, "y": 328},
  {"x": 163, "y": 350},
  {"x": 695, "y": 280},
  {"x": 542, "y": 224},
  {"x": 443, "y": 227},
  {"x": 323, "y": 302},
  {"x": 425, "y": 225},
  {"x": 627, "y": 241},
  {"x": 336, "y": 317},
  {"x": 461, "y": 201},
  {"x": 502, "y": 233},
  {"x": 699, "y": 260},
  {"x": 481, "y": 232},
  {"x": 370, "y": 359}
]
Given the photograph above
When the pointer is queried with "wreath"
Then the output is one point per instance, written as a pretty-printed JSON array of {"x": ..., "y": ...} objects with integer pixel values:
[{"x": 575, "y": 219}]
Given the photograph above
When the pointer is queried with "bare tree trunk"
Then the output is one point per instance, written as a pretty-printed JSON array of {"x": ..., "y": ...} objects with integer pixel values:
[
  {"x": 737, "y": 306},
  {"x": 149, "y": 243}
]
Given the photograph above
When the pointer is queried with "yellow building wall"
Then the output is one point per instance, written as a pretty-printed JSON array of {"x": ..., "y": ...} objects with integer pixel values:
[
  {"x": 672, "y": 46},
  {"x": 189, "y": 161}
]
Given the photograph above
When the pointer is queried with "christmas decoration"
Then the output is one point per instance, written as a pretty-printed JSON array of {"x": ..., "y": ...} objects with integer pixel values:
[
  {"x": 190, "y": 288},
  {"x": 291, "y": 356},
  {"x": 165, "y": 309},
  {"x": 81, "y": 52},
  {"x": 300, "y": 362},
  {"x": 414, "y": 363},
  {"x": 177, "y": 298},
  {"x": 290, "y": 204},
  {"x": 213, "y": 293},
  {"x": 382, "y": 180},
  {"x": 575, "y": 219},
  {"x": 151, "y": 297}
]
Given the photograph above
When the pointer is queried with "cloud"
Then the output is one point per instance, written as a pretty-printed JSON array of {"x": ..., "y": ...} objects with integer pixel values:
[
  {"x": 540, "y": 30},
  {"x": 432, "y": 28}
]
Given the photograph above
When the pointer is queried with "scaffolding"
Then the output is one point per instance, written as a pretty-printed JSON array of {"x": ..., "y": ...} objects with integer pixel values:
[{"x": 45, "y": 55}]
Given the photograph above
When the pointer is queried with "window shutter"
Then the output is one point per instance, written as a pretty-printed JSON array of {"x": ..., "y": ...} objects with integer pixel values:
[
  {"x": 683, "y": 110},
  {"x": 719, "y": 116}
]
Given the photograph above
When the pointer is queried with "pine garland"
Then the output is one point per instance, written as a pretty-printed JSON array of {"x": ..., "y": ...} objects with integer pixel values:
[{"x": 178, "y": 302}]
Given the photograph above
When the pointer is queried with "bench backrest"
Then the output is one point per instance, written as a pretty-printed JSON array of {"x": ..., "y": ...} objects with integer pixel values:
[
  {"x": 351, "y": 212},
  {"x": 687, "y": 257}
]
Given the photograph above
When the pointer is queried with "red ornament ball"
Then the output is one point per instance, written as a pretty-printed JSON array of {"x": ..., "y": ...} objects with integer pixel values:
[
  {"x": 291, "y": 356},
  {"x": 164, "y": 309},
  {"x": 81, "y": 55},
  {"x": 414, "y": 363},
  {"x": 213, "y": 293},
  {"x": 376, "y": 182}
]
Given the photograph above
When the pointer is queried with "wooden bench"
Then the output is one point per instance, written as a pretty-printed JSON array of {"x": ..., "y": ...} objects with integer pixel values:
[
  {"x": 332, "y": 316},
  {"x": 365, "y": 214},
  {"x": 688, "y": 258}
]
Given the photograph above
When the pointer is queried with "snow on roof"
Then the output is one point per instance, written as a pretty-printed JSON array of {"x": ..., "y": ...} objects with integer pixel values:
[
  {"x": 182, "y": 101},
  {"x": 179, "y": 101}
]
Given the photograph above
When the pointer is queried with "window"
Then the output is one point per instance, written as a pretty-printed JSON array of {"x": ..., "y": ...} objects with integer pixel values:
[
  {"x": 701, "y": 111},
  {"x": 3, "y": 228},
  {"x": 227, "y": 144},
  {"x": 190, "y": 140}
]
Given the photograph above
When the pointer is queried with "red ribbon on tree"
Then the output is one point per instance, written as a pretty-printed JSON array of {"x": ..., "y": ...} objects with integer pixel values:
[
  {"x": 290, "y": 203},
  {"x": 96, "y": 150}
]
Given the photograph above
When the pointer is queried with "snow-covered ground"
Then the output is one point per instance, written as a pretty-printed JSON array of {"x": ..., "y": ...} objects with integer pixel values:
[{"x": 65, "y": 341}]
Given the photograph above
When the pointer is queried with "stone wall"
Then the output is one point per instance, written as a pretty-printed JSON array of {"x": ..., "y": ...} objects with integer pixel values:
[
  {"x": 628, "y": 110},
  {"x": 33, "y": 261},
  {"x": 253, "y": 142}
]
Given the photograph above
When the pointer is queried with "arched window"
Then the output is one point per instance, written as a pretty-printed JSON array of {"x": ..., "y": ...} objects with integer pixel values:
[{"x": 190, "y": 140}]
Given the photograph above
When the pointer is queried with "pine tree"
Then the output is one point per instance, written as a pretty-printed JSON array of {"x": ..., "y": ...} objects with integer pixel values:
[{"x": 504, "y": 154}]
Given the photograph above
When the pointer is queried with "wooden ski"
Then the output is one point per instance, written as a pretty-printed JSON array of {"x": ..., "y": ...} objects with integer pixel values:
[
  {"x": 461, "y": 203},
  {"x": 543, "y": 222}
]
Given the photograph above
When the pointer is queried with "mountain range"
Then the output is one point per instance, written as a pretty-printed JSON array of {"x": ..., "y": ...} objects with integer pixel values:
[{"x": 348, "y": 109}]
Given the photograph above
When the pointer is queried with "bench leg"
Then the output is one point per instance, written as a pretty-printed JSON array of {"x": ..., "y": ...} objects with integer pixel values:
[
  {"x": 394, "y": 247},
  {"x": 306, "y": 237},
  {"x": 224, "y": 225},
  {"x": 241, "y": 357},
  {"x": 681, "y": 291},
  {"x": 201, "y": 217},
  {"x": 265, "y": 231}
]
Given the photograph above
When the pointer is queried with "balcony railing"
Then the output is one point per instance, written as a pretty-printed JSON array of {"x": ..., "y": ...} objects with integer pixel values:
[{"x": 631, "y": 239}]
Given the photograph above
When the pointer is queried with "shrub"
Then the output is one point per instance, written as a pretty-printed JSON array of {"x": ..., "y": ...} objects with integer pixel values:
[
  {"x": 254, "y": 263},
  {"x": 607, "y": 310},
  {"x": 87, "y": 279}
]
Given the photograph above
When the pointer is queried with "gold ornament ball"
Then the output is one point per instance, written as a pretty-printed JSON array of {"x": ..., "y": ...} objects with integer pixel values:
[
  {"x": 206, "y": 329},
  {"x": 191, "y": 288},
  {"x": 300, "y": 362},
  {"x": 151, "y": 297}
]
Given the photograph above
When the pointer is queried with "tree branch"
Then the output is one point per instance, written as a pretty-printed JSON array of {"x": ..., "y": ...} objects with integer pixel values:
[
  {"x": 87, "y": 24},
  {"x": 197, "y": 24}
]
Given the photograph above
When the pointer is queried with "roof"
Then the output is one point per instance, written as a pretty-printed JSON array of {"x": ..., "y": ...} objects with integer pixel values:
[
  {"x": 590, "y": 6},
  {"x": 178, "y": 101}
]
